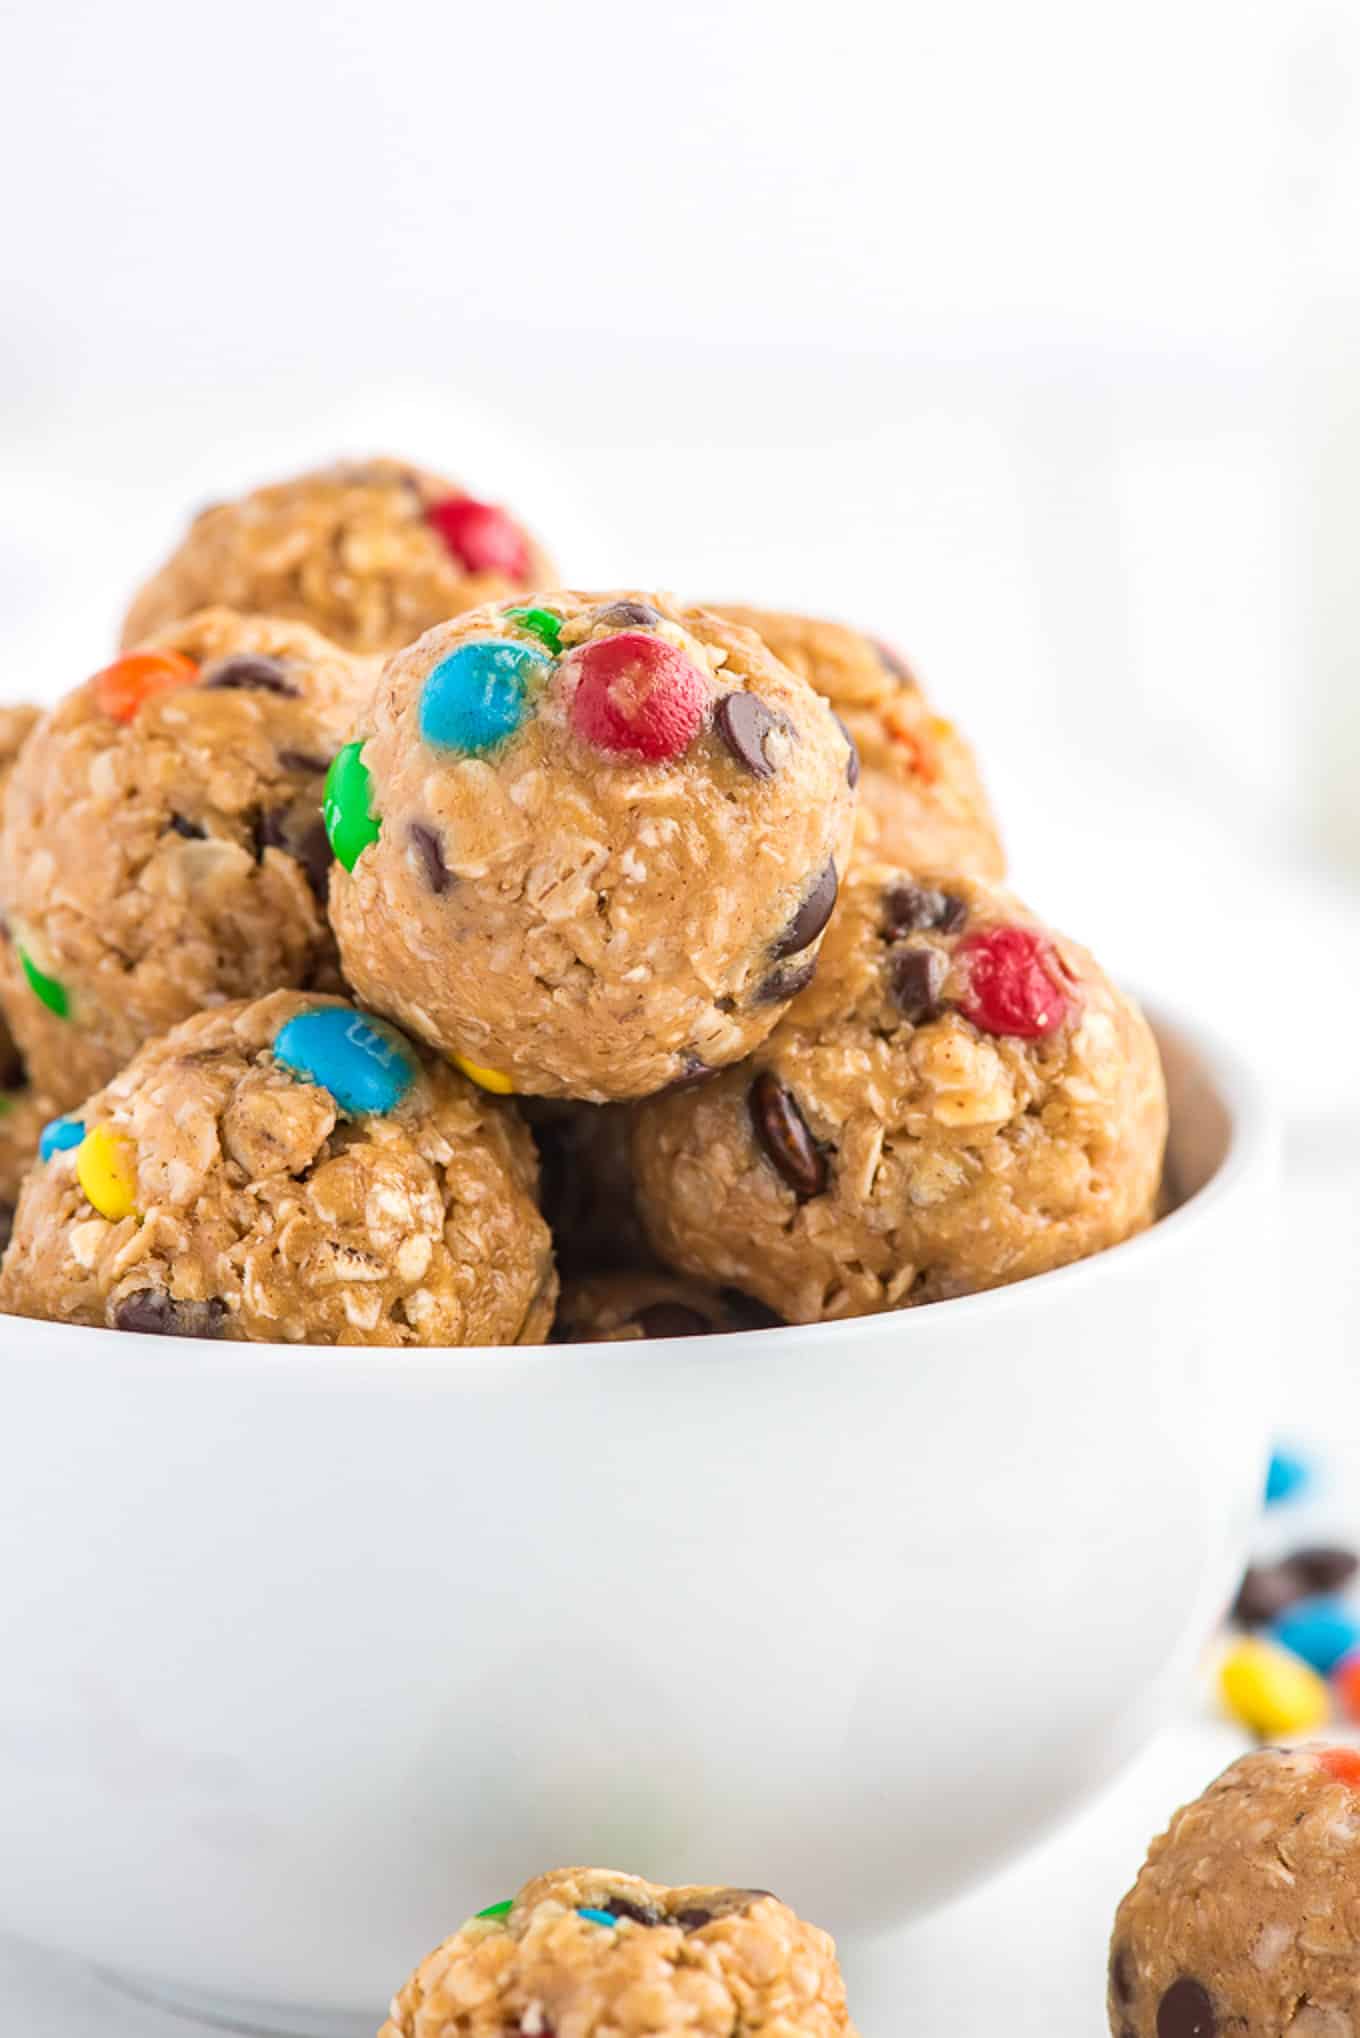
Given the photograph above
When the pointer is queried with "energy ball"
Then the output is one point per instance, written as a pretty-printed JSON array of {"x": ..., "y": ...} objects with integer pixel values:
[
  {"x": 960, "y": 1099},
  {"x": 164, "y": 849},
  {"x": 921, "y": 799},
  {"x": 589, "y": 847},
  {"x": 1246, "y": 1914},
  {"x": 586, "y": 1953},
  {"x": 624, "y": 1306},
  {"x": 287, "y": 1170},
  {"x": 369, "y": 552}
]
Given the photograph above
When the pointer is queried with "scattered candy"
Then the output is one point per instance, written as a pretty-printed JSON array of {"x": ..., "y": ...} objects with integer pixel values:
[
  {"x": 1266, "y": 1590},
  {"x": 121, "y": 688},
  {"x": 481, "y": 537},
  {"x": 479, "y": 695},
  {"x": 1346, "y": 1685},
  {"x": 350, "y": 825},
  {"x": 1342, "y": 1763},
  {"x": 1012, "y": 983},
  {"x": 638, "y": 695},
  {"x": 47, "y": 990},
  {"x": 1321, "y": 1631},
  {"x": 106, "y": 1170},
  {"x": 1288, "y": 1477},
  {"x": 500, "y": 1910},
  {"x": 1271, "y": 1691},
  {"x": 1324, "y": 1567},
  {"x": 364, "y": 1068},
  {"x": 485, "y": 1079},
  {"x": 540, "y": 623},
  {"x": 58, "y": 1135},
  {"x": 597, "y": 1917}
]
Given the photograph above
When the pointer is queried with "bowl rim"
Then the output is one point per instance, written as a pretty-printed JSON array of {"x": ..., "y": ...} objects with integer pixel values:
[{"x": 1238, "y": 1085}]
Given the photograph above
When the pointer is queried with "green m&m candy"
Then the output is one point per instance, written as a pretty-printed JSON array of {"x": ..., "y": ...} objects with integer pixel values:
[
  {"x": 47, "y": 990},
  {"x": 540, "y": 623},
  {"x": 350, "y": 825}
]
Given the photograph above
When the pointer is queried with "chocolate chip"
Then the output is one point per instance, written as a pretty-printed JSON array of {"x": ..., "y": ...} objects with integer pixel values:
[
  {"x": 746, "y": 725},
  {"x": 671, "y": 1319},
  {"x": 156, "y": 1314},
  {"x": 190, "y": 830},
  {"x": 429, "y": 848},
  {"x": 692, "y": 1073},
  {"x": 1186, "y": 2011},
  {"x": 722, "y": 1904},
  {"x": 247, "y": 673},
  {"x": 782, "y": 984},
  {"x": 6, "y": 1224},
  {"x": 852, "y": 761},
  {"x": 641, "y": 1914},
  {"x": 917, "y": 978},
  {"x": 893, "y": 662},
  {"x": 1120, "y": 1979},
  {"x": 628, "y": 615},
  {"x": 748, "y": 1314},
  {"x": 813, "y": 914},
  {"x": 11, "y": 1063},
  {"x": 912, "y": 909},
  {"x": 1325, "y": 1567},
  {"x": 304, "y": 760},
  {"x": 303, "y": 837},
  {"x": 1266, "y": 1590},
  {"x": 313, "y": 851},
  {"x": 782, "y": 1132}
]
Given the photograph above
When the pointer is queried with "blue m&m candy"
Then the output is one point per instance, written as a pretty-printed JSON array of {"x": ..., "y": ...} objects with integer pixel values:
[
  {"x": 1322, "y": 1631},
  {"x": 1288, "y": 1476},
  {"x": 365, "y": 1067},
  {"x": 58, "y": 1135},
  {"x": 479, "y": 695},
  {"x": 596, "y": 1917}
]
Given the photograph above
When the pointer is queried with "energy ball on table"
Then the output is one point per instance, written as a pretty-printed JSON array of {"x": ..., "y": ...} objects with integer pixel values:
[
  {"x": 961, "y": 1098},
  {"x": 625, "y": 1306},
  {"x": 1245, "y": 1918},
  {"x": 589, "y": 846},
  {"x": 287, "y": 1170},
  {"x": 921, "y": 800},
  {"x": 369, "y": 552},
  {"x": 164, "y": 848},
  {"x": 586, "y": 1953}
]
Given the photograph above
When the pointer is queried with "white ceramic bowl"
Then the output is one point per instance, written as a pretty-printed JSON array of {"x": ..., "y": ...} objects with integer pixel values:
[{"x": 308, "y": 1654}]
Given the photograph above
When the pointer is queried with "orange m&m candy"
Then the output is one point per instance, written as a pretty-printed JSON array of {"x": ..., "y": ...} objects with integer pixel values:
[
  {"x": 121, "y": 687},
  {"x": 1342, "y": 1763}
]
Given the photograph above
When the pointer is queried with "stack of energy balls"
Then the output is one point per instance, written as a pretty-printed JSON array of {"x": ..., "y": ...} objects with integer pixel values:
[{"x": 393, "y": 939}]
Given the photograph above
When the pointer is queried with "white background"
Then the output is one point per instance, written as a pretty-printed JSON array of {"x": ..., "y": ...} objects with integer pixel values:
[{"x": 1029, "y": 336}]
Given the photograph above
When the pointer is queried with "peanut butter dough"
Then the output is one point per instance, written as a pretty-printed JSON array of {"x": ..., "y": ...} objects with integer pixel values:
[
  {"x": 628, "y": 1305},
  {"x": 586, "y": 1953},
  {"x": 1245, "y": 1917},
  {"x": 960, "y": 1099},
  {"x": 166, "y": 854},
  {"x": 921, "y": 799},
  {"x": 289, "y": 1171},
  {"x": 369, "y": 552},
  {"x": 594, "y": 843}
]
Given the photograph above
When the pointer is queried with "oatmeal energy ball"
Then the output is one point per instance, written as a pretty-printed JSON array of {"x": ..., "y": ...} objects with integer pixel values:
[
  {"x": 1245, "y": 1918},
  {"x": 628, "y": 1306},
  {"x": 586, "y": 1953},
  {"x": 921, "y": 800},
  {"x": 164, "y": 848},
  {"x": 22, "y": 1112},
  {"x": 287, "y": 1170},
  {"x": 589, "y": 846},
  {"x": 960, "y": 1099},
  {"x": 369, "y": 552}
]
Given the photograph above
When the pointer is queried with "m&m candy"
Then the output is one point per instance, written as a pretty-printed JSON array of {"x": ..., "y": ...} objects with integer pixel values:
[
  {"x": 121, "y": 688},
  {"x": 500, "y": 1910},
  {"x": 366, "y": 1067},
  {"x": 1272, "y": 1691},
  {"x": 1012, "y": 983},
  {"x": 58, "y": 1135},
  {"x": 638, "y": 695},
  {"x": 346, "y": 806},
  {"x": 1320, "y": 1630},
  {"x": 479, "y": 695},
  {"x": 107, "y": 1172},
  {"x": 485, "y": 1079},
  {"x": 1288, "y": 1476},
  {"x": 482, "y": 538},
  {"x": 540, "y": 623},
  {"x": 596, "y": 1917},
  {"x": 49, "y": 991}
]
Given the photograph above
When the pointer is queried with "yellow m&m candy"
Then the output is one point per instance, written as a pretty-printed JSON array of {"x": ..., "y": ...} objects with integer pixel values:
[
  {"x": 106, "y": 1170},
  {"x": 485, "y": 1079},
  {"x": 1272, "y": 1691}
]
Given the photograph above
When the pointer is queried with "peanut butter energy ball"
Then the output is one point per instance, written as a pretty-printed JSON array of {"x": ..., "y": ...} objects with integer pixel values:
[
  {"x": 921, "y": 800},
  {"x": 961, "y": 1098},
  {"x": 628, "y": 1306},
  {"x": 164, "y": 848},
  {"x": 369, "y": 552},
  {"x": 586, "y": 1953},
  {"x": 1245, "y": 1918},
  {"x": 589, "y": 847},
  {"x": 290, "y": 1171}
]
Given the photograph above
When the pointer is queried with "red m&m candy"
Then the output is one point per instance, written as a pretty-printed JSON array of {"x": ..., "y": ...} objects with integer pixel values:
[
  {"x": 637, "y": 695},
  {"x": 1342, "y": 1763},
  {"x": 481, "y": 537},
  {"x": 1013, "y": 985},
  {"x": 121, "y": 688}
]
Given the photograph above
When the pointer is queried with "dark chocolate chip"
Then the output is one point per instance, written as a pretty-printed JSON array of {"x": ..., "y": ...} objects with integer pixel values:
[
  {"x": 6, "y": 1224},
  {"x": 692, "y": 1073},
  {"x": 783, "y": 1134},
  {"x": 893, "y": 662},
  {"x": 248, "y": 673},
  {"x": 1186, "y": 2011},
  {"x": 721, "y": 1904},
  {"x": 671, "y": 1319},
  {"x": 11, "y": 1063},
  {"x": 812, "y": 915},
  {"x": 917, "y": 978},
  {"x": 748, "y": 1314},
  {"x": 429, "y": 849},
  {"x": 912, "y": 909},
  {"x": 313, "y": 851},
  {"x": 745, "y": 725},
  {"x": 1325, "y": 1567},
  {"x": 628, "y": 615},
  {"x": 190, "y": 830},
  {"x": 641, "y": 1914},
  {"x": 782, "y": 984},
  {"x": 304, "y": 760},
  {"x": 852, "y": 761},
  {"x": 1121, "y": 1981},
  {"x": 156, "y": 1314},
  {"x": 1266, "y": 1590},
  {"x": 300, "y": 836}
]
